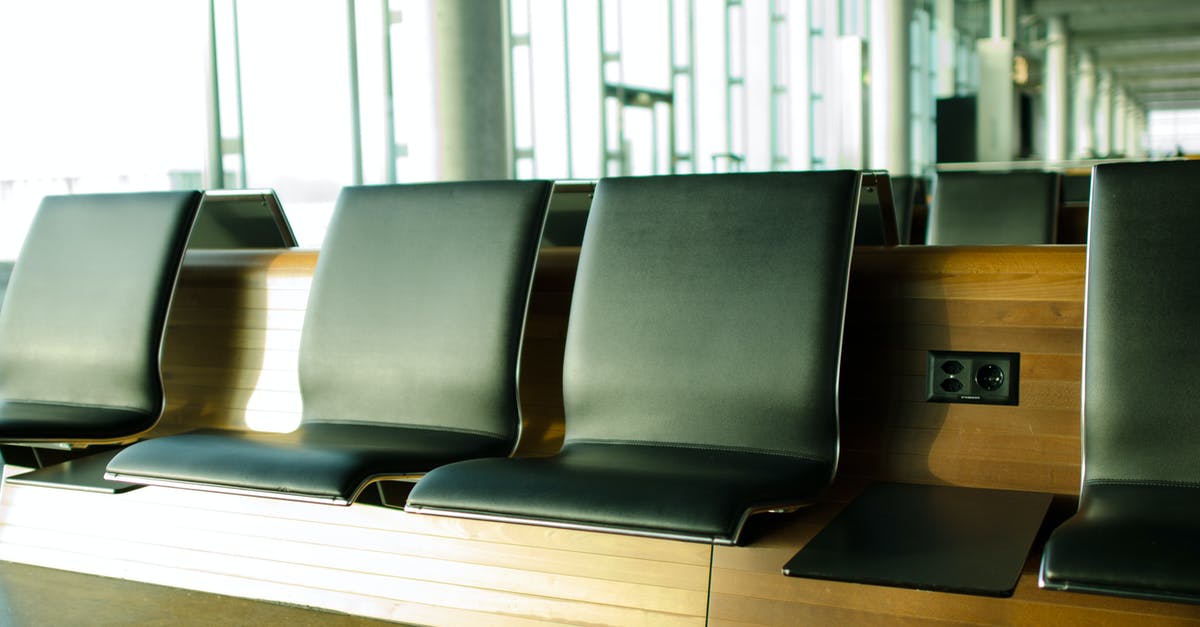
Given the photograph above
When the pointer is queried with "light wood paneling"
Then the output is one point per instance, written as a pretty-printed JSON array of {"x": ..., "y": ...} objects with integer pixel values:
[
  {"x": 908, "y": 300},
  {"x": 233, "y": 336}
]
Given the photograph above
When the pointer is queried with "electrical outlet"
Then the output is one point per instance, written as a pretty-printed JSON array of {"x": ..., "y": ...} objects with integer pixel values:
[{"x": 972, "y": 377}]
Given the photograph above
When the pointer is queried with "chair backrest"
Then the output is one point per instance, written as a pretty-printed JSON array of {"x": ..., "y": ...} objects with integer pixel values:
[
  {"x": 1143, "y": 294},
  {"x": 85, "y": 308},
  {"x": 1013, "y": 208},
  {"x": 430, "y": 337},
  {"x": 708, "y": 312}
]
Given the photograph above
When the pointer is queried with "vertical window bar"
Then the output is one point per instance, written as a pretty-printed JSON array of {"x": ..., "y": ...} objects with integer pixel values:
[
  {"x": 355, "y": 114},
  {"x": 237, "y": 80},
  {"x": 567, "y": 89},
  {"x": 216, "y": 160},
  {"x": 735, "y": 81},
  {"x": 389, "y": 98},
  {"x": 777, "y": 42},
  {"x": 815, "y": 31}
]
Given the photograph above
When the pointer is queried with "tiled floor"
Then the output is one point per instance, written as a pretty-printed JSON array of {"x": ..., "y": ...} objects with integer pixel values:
[{"x": 33, "y": 597}]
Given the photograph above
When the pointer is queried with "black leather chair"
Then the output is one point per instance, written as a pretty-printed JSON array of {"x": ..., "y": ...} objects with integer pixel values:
[
  {"x": 1000, "y": 208},
  {"x": 1137, "y": 531},
  {"x": 408, "y": 357},
  {"x": 701, "y": 369},
  {"x": 84, "y": 314}
]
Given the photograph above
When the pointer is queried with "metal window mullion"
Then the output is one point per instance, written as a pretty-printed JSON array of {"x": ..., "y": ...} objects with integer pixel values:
[
  {"x": 237, "y": 79},
  {"x": 603, "y": 56},
  {"x": 814, "y": 95},
  {"x": 355, "y": 113},
  {"x": 779, "y": 89},
  {"x": 528, "y": 43},
  {"x": 567, "y": 89},
  {"x": 693, "y": 127},
  {"x": 216, "y": 157},
  {"x": 389, "y": 97}
]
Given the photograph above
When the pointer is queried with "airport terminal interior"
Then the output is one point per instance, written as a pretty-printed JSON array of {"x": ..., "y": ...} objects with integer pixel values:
[{"x": 653, "y": 312}]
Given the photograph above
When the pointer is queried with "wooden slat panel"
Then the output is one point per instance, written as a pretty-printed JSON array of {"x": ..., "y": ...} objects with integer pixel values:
[
  {"x": 906, "y": 301},
  {"x": 255, "y": 545},
  {"x": 238, "y": 314}
]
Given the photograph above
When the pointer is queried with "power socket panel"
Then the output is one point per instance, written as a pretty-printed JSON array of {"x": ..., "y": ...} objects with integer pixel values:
[{"x": 972, "y": 377}]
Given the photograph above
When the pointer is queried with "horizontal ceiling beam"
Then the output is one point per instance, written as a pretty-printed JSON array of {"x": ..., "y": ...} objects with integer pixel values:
[
  {"x": 1157, "y": 71},
  {"x": 1149, "y": 35},
  {"x": 1052, "y": 7},
  {"x": 1174, "y": 105},
  {"x": 1161, "y": 84}
]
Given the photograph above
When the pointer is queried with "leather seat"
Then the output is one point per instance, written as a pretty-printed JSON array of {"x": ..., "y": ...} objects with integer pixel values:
[
  {"x": 701, "y": 367},
  {"x": 993, "y": 208},
  {"x": 1136, "y": 530},
  {"x": 408, "y": 356},
  {"x": 83, "y": 317}
]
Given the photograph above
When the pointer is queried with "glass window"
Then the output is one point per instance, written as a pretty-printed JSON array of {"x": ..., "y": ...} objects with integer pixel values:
[
  {"x": 296, "y": 103},
  {"x": 97, "y": 100}
]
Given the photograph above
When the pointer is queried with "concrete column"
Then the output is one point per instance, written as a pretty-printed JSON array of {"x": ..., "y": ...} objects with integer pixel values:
[
  {"x": 849, "y": 125},
  {"x": 1055, "y": 88},
  {"x": 1083, "y": 143},
  {"x": 946, "y": 40},
  {"x": 1102, "y": 122},
  {"x": 1133, "y": 139},
  {"x": 891, "y": 120},
  {"x": 995, "y": 114},
  {"x": 1143, "y": 130},
  {"x": 474, "y": 107},
  {"x": 1120, "y": 112},
  {"x": 996, "y": 19}
]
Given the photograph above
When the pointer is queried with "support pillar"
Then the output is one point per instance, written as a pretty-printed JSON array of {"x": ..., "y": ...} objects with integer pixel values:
[
  {"x": 1083, "y": 103},
  {"x": 947, "y": 43},
  {"x": 1104, "y": 114},
  {"x": 1120, "y": 113},
  {"x": 474, "y": 112},
  {"x": 891, "y": 119},
  {"x": 1055, "y": 89}
]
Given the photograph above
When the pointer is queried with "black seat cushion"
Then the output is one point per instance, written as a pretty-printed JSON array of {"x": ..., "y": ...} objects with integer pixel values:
[
  {"x": 1129, "y": 539},
  {"x": 656, "y": 490},
  {"x": 705, "y": 333},
  {"x": 993, "y": 208},
  {"x": 319, "y": 461},
  {"x": 84, "y": 315},
  {"x": 33, "y": 422}
]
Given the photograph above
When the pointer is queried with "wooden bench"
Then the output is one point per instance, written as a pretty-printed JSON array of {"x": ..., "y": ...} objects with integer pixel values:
[{"x": 230, "y": 362}]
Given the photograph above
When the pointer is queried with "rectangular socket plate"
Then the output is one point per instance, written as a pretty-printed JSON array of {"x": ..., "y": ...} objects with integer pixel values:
[{"x": 972, "y": 377}]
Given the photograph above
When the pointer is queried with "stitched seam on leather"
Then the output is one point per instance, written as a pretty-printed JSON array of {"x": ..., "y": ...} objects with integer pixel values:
[
  {"x": 68, "y": 404},
  {"x": 697, "y": 447},
  {"x": 384, "y": 425},
  {"x": 1136, "y": 482}
]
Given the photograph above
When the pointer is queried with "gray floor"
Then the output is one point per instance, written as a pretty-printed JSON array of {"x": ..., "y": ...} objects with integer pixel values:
[{"x": 33, "y": 597}]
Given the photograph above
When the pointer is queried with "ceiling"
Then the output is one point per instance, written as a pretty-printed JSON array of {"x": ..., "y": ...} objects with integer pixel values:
[{"x": 1151, "y": 46}]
